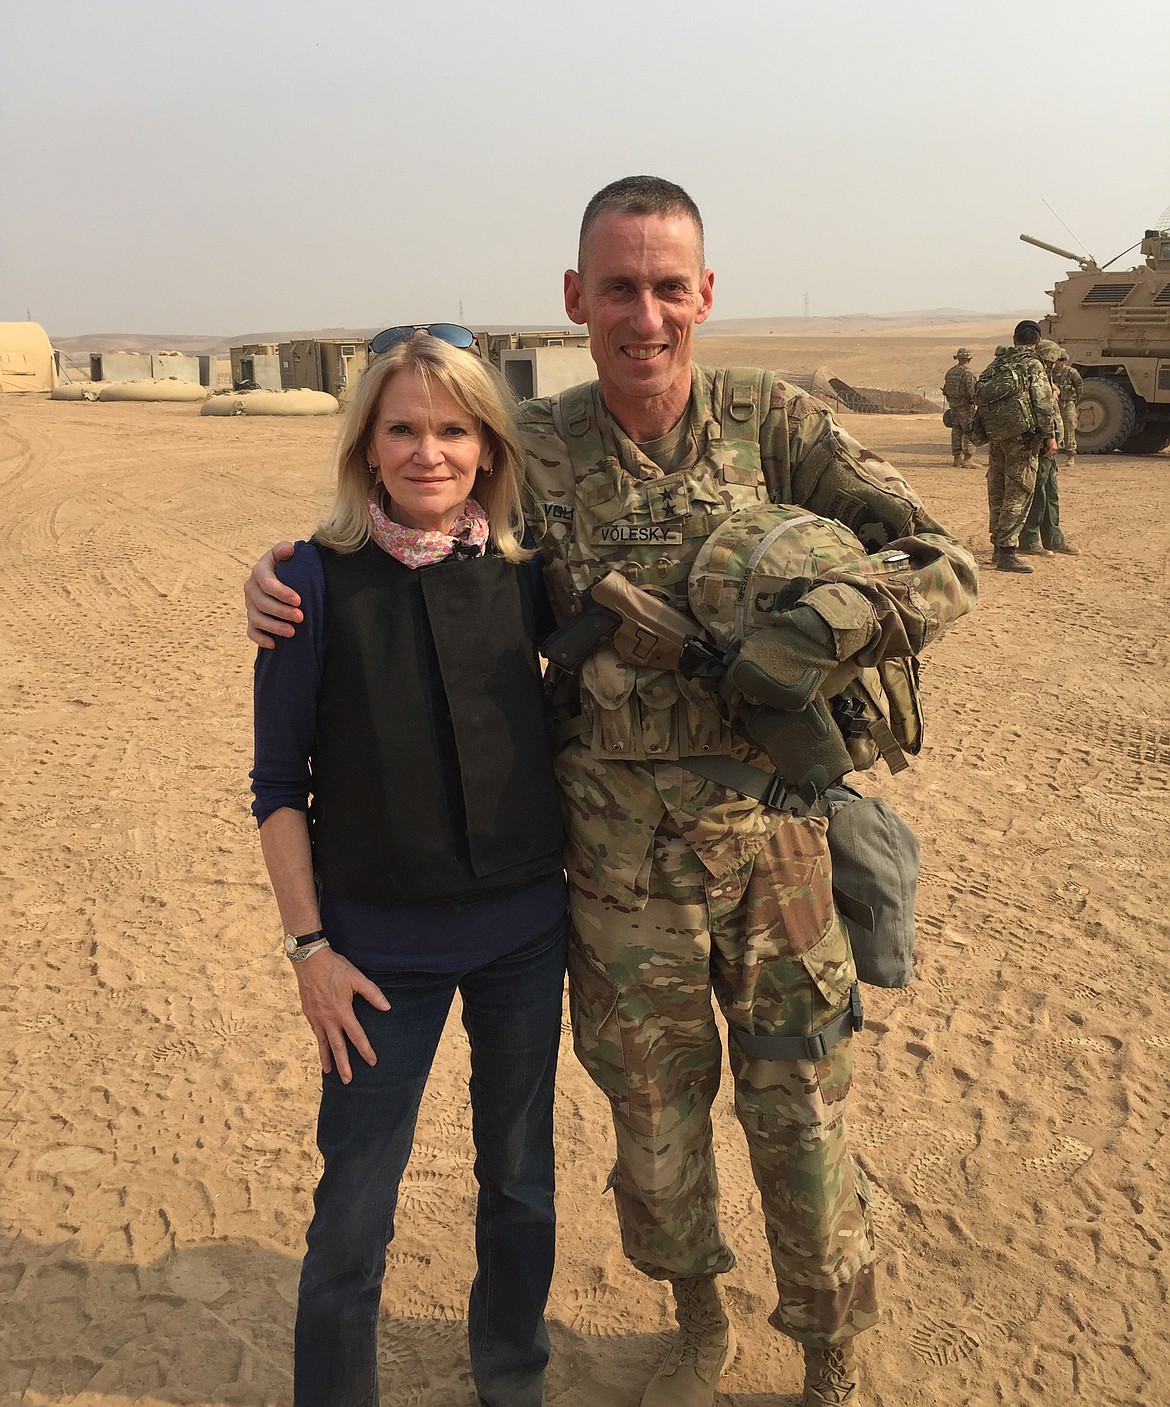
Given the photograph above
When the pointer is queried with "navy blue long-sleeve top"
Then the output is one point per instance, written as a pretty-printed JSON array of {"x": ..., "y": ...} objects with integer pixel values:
[{"x": 407, "y": 937}]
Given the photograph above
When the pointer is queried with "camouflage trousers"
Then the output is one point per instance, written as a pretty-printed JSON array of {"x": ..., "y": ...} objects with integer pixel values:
[
  {"x": 1043, "y": 521},
  {"x": 766, "y": 940},
  {"x": 961, "y": 442},
  {"x": 1068, "y": 416},
  {"x": 1011, "y": 480}
]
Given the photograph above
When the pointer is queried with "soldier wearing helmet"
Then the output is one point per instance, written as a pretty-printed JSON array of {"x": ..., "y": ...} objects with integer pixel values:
[
  {"x": 1041, "y": 535},
  {"x": 959, "y": 389},
  {"x": 1069, "y": 382}
]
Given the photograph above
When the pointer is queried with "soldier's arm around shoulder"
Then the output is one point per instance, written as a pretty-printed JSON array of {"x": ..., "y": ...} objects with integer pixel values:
[
  {"x": 547, "y": 470},
  {"x": 918, "y": 578}
]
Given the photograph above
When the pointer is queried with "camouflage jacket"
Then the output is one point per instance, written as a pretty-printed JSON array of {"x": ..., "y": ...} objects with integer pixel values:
[
  {"x": 1068, "y": 382},
  {"x": 959, "y": 386},
  {"x": 595, "y": 502}
]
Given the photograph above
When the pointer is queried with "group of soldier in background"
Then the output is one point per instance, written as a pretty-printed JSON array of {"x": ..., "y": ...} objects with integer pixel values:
[{"x": 1024, "y": 407}]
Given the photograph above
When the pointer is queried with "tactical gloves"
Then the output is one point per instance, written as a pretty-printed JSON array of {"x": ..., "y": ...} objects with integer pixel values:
[
  {"x": 777, "y": 686},
  {"x": 805, "y": 747},
  {"x": 783, "y": 665}
]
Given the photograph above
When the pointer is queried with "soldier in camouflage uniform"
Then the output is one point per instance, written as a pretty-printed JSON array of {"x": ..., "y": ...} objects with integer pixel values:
[
  {"x": 1069, "y": 382},
  {"x": 1013, "y": 461},
  {"x": 682, "y": 887},
  {"x": 959, "y": 389},
  {"x": 1041, "y": 534}
]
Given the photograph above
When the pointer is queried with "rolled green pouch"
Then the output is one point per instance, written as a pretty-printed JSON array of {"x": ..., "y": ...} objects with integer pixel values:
[
  {"x": 783, "y": 665},
  {"x": 805, "y": 747}
]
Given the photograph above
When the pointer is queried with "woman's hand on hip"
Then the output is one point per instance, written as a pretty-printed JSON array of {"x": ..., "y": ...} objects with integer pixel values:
[{"x": 328, "y": 984}]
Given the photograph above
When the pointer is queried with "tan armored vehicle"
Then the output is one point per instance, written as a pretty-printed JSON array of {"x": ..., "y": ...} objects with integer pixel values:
[{"x": 1115, "y": 327}]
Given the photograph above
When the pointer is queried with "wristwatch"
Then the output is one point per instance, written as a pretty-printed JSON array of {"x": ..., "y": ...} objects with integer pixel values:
[{"x": 304, "y": 946}]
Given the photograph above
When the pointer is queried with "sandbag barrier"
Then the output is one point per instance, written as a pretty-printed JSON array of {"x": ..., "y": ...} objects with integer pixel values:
[
  {"x": 170, "y": 389},
  {"x": 291, "y": 402},
  {"x": 76, "y": 391}
]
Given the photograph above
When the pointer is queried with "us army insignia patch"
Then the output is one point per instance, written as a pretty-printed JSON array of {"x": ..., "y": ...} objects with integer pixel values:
[{"x": 638, "y": 532}]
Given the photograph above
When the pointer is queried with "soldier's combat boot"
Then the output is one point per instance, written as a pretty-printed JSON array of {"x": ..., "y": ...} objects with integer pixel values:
[
  {"x": 1006, "y": 559},
  {"x": 703, "y": 1348},
  {"x": 957, "y": 462},
  {"x": 830, "y": 1376}
]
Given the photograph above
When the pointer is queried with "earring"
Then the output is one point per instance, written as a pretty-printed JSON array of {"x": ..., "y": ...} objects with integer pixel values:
[
  {"x": 373, "y": 468},
  {"x": 486, "y": 470}
]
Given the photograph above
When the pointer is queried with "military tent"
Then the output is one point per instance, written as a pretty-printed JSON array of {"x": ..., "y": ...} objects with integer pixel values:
[{"x": 26, "y": 358}]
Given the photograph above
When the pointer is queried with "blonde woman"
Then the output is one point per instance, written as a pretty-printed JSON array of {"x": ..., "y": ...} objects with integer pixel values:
[{"x": 409, "y": 821}]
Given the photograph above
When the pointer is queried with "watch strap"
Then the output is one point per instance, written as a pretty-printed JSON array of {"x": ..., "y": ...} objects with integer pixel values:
[{"x": 303, "y": 940}]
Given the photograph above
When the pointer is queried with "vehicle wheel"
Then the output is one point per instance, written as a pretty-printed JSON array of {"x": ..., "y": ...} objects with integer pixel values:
[
  {"x": 1152, "y": 438},
  {"x": 1106, "y": 416}
]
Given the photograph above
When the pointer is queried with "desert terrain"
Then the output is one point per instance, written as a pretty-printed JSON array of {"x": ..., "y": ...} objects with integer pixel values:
[{"x": 158, "y": 1083}]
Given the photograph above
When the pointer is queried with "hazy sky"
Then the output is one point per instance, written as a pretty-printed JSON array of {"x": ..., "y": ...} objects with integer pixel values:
[{"x": 244, "y": 165}]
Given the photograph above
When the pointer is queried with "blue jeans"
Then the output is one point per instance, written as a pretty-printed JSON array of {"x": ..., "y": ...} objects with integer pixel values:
[{"x": 512, "y": 1015}]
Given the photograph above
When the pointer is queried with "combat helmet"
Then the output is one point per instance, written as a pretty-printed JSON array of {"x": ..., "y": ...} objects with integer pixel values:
[
  {"x": 1047, "y": 350},
  {"x": 759, "y": 562},
  {"x": 963, "y": 354}
]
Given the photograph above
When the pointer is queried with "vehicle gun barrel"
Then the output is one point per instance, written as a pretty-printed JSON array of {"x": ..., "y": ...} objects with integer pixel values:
[{"x": 1085, "y": 261}]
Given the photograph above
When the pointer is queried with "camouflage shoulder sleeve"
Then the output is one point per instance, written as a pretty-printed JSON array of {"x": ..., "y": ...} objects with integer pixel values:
[
  {"x": 924, "y": 579},
  {"x": 548, "y": 474},
  {"x": 1041, "y": 391},
  {"x": 789, "y": 405}
]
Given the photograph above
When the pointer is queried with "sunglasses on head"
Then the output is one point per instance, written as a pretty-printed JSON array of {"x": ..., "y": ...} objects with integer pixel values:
[{"x": 449, "y": 332}]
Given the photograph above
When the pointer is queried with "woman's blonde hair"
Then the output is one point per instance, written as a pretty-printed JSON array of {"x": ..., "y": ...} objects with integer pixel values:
[{"x": 481, "y": 393}]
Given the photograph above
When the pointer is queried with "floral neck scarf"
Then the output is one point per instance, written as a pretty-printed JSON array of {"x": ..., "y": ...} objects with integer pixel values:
[{"x": 420, "y": 547}]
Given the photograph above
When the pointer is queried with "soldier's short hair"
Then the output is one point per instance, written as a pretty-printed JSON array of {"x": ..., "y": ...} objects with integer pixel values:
[
  {"x": 1026, "y": 333},
  {"x": 639, "y": 195}
]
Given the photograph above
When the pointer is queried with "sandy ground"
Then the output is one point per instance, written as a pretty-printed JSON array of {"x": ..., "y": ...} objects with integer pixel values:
[
  {"x": 910, "y": 360},
  {"x": 157, "y": 1090}
]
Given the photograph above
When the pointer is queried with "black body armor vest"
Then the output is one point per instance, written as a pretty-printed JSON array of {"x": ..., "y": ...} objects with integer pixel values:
[{"x": 432, "y": 764}]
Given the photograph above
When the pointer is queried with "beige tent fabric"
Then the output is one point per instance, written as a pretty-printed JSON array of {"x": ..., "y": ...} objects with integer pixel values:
[
  {"x": 299, "y": 402},
  {"x": 26, "y": 358},
  {"x": 170, "y": 389}
]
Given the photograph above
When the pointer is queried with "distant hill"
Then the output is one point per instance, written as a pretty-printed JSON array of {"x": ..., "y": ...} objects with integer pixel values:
[
  {"x": 195, "y": 344},
  {"x": 942, "y": 320},
  {"x": 921, "y": 322},
  {"x": 217, "y": 345}
]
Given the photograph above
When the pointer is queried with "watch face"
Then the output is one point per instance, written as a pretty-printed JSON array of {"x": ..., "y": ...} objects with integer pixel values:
[{"x": 290, "y": 943}]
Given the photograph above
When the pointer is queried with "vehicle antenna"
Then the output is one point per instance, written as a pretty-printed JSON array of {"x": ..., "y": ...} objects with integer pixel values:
[
  {"x": 1122, "y": 255},
  {"x": 1076, "y": 237}
]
